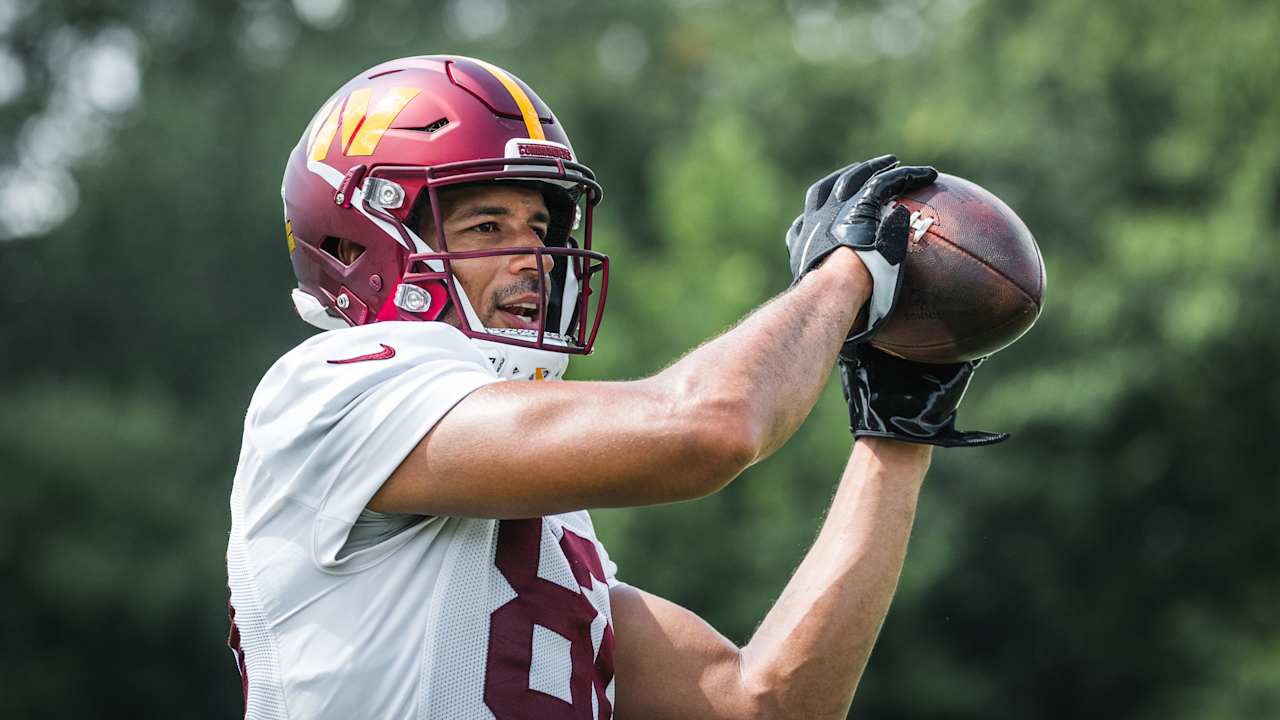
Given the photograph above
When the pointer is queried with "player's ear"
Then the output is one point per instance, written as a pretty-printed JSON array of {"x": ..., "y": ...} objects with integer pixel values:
[{"x": 349, "y": 251}]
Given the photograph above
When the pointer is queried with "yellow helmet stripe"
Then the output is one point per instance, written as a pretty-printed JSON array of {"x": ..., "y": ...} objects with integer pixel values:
[
  {"x": 531, "y": 122},
  {"x": 322, "y": 137},
  {"x": 376, "y": 122}
]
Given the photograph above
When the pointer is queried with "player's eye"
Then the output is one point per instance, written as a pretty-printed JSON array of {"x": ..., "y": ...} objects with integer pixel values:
[
  {"x": 486, "y": 227},
  {"x": 541, "y": 233}
]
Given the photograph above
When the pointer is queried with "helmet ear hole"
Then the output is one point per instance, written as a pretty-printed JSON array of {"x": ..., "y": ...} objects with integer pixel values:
[{"x": 343, "y": 250}]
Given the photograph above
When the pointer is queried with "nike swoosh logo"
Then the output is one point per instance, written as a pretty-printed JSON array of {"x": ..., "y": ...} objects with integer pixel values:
[
  {"x": 387, "y": 353},
  {"x": 804, "y": 254}
]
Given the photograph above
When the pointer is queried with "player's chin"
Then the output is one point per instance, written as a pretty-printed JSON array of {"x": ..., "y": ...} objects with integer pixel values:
[{"x": 451, "y": 317}]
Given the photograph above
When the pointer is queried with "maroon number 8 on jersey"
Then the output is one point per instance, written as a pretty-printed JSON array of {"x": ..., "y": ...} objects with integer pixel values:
[{"x": 542, "y": 602}]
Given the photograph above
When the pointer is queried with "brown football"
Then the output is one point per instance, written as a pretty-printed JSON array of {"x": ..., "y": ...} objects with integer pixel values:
[{"x": 973, "y": 281}]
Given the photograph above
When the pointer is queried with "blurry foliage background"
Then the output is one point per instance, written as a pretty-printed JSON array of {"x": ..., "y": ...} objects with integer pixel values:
[{"x": 1117, "y": 559}]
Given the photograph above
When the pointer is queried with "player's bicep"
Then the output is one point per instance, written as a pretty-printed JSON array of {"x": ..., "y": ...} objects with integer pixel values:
[
  {"x": 669, "y": 663},
  {"x": 525, "y": 449}
]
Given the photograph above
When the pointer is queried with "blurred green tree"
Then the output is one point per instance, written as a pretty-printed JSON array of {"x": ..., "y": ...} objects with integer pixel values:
[{"x": 1116, "y": 559}]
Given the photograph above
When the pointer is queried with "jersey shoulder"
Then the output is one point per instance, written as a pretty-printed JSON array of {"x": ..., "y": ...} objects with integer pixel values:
[
  {"x": 331, "y": 370},
  {"x": 335, "y": 416},
  {"x": 399, "y": 342}
]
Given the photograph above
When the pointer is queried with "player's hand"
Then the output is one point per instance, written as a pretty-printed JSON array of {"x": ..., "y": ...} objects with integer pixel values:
[
  {"x": 894, "y": 398},
  {"x": 845, "y": 208}
]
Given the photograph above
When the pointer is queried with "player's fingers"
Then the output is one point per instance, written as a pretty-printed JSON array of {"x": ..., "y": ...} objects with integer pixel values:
[
  {"x": 844, "y": 381},
  {"x": 794, "y": 231},
  {"x": 888, "y": 185},
  {"x": 891, "y": 238},
  {"x": 853, "y": 178},
  {"x": 920, "y": 176},
  {"x": 820, "y": 191}
]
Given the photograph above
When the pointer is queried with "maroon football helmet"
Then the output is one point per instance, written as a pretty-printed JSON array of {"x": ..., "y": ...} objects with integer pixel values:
[{"x": 371, "y": 164}]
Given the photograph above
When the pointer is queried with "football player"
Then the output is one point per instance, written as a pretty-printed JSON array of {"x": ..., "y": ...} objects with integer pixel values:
[{"x": 410, "y": 536}]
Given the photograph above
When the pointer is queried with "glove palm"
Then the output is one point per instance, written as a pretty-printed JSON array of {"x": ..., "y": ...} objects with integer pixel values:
[{"x": 894, "y": 398}]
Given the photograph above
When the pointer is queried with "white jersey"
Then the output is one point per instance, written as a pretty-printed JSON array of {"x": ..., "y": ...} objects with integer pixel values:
[{"x": 340, "y": 612}]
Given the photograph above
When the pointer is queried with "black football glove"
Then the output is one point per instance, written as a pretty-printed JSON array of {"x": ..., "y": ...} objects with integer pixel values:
[
  {"x": 844, "y": 208},
  {"x": 894, "y": 398}
]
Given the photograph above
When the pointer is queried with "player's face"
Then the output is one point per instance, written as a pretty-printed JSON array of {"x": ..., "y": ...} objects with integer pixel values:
[{"x": 503, "y": 289}]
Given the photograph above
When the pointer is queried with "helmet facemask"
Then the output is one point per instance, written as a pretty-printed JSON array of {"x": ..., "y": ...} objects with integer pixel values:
[
  {"x": 384, "y": 145},
  {"x": 569, "y": 297}
]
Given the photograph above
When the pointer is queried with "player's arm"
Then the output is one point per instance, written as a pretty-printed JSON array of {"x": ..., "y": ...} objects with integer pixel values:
[
  {"x": 806, "y": 658},
  {"x": 808, "y": 655},
  {"x": 529, "y": 449},
  {"x": 524, "y": 449}
]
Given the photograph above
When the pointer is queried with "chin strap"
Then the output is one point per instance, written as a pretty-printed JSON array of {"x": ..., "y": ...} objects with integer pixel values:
[
  {"x": 512, "y": 362},
  {"x": 310, "y": 310}
]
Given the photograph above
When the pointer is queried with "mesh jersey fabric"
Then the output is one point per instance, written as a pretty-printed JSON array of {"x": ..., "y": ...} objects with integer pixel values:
[{"x": 446, "y": 618}]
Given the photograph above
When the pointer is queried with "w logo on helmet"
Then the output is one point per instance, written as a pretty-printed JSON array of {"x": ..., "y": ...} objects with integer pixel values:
[{"x": 362, "y": 128}]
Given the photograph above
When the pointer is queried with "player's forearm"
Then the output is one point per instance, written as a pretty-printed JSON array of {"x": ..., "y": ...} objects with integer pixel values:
[
  {"x": 810, "y": 651},
  {"x": 681, "y": 434},
  {"x": 767, "y": 372}
]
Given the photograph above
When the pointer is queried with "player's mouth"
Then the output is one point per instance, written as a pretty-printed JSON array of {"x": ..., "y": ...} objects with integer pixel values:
[{"x": 519, "y": 312}]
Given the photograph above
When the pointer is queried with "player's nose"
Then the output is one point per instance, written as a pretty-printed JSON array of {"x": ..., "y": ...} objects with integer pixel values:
[{"x": 530, "y": 261}]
